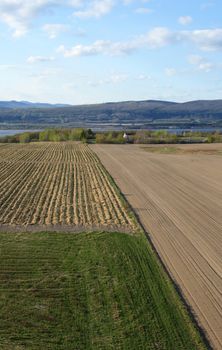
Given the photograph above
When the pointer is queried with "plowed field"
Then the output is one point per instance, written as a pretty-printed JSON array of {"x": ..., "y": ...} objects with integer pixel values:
[
  {"x": 57, "y": 186},
  {"x": 178, "y": 197}
]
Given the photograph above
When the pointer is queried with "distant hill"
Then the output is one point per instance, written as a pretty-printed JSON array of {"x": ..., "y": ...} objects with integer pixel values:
[
  {"x": 137, "y": 114},
  {"x": 26, "y": 104}
]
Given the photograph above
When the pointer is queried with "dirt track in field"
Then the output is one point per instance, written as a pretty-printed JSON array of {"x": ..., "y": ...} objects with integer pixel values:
[{"x": 178, "y": 197}]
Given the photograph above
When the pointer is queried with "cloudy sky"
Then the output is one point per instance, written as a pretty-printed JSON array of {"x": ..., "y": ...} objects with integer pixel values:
[{"x": 89, "y": 51}]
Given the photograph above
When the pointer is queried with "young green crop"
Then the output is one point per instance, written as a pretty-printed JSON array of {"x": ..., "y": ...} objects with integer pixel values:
[{"x": 88, "y": 291}]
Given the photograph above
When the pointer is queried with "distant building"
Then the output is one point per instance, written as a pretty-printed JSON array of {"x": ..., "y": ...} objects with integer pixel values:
[
  {"x": 128, "y": 137},
  {"x": 125, "y": 136}
]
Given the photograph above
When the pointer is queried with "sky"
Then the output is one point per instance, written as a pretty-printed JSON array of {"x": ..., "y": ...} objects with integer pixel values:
[{"x": 93, "y": 51}]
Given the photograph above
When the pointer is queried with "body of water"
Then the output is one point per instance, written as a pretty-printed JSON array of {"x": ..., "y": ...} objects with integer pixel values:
[
  {"x": 152, "y": 128},
  {"x": 13, "y": 132},
  {"x": 194, "y": 129},
  {"x": 121, "y": 127}
]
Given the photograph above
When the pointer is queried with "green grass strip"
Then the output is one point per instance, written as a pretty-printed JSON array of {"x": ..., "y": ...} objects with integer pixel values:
[{"x": 88, "y": 291}]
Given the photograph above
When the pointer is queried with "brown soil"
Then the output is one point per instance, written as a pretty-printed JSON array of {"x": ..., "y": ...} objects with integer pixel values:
[
  {"x": 57, "y": 185},
  {"x": 63, "y": 228},
  {"x": 179, "y": 202}
]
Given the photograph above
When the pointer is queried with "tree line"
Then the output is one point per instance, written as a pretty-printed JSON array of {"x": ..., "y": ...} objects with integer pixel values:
[
  {"x": 115, "y": 137},
  {"x": 157, "y": 137},
  {"x": 52, "y": 135}
]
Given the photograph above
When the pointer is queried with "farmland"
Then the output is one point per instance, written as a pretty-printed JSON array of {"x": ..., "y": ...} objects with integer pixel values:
[
  {"x": 177, "y": 194},
  {"x": 58, "y": 186},
  {"x": 76, "y": 270},
  {"x": 88, "y": 291}
]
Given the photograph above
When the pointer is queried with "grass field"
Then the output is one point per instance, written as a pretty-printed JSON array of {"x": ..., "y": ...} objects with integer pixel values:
[
  {"x": 197, "y": 149},
  {"x": 88, "y": 291}
]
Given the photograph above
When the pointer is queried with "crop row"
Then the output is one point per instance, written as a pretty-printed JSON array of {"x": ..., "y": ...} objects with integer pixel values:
[{"x": 57, "y": 184}]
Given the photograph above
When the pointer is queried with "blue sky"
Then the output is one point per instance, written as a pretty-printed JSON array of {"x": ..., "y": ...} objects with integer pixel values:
[{"x": 92, "y": 51}]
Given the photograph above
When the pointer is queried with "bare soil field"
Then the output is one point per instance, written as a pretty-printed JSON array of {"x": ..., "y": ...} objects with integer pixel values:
[
  {"x": 178, "y": 198},
  {"x": 58, "y": 186}
]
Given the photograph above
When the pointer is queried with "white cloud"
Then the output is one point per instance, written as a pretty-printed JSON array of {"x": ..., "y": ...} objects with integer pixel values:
[
  {"x": 195, "y": 59},
  {"x": 143, "y": 77},
  {"x": 143, "y": 10},
  {"x": 19, "y": 14},
  {"x": 117, "y": 78},
  {"x": 79, "y": 32},
  {"x": 7, "y": 67},
  {"x": 53, "y": 30},
  {"x": 158, "y": 37},
  {"x": 206, "y": 67},
  {"x": 170, "y": 72},
  {"x": 200, "y": 63},
  {"x": 184, "y": 20},
  {"x": 128, "y": 2},
  {"x": 122, "y": 48},
  {"x": 205, "y": 39},
  {"x": 41, "y": 59},
  {"x": 207, "y": 5},
  {"x": 114, "y": 78},
  {"x": 96, "y": 48},
  {"x": 96, "y": 9},
  {"x": 99, "y": 46},
  {"x": 75, "y": 3}
]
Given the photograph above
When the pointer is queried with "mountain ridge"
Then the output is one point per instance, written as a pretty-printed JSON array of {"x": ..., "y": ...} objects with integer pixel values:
[
  {"x": 146, "y": 112},
  {"x": 13, "y": 104}
]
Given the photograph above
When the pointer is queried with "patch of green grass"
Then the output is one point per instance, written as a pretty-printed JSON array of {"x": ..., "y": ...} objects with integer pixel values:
[
  {"x": 88, "y": 291},
  {"x": 176, "y": 150},
  {"x": 162, "y": 149}
]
